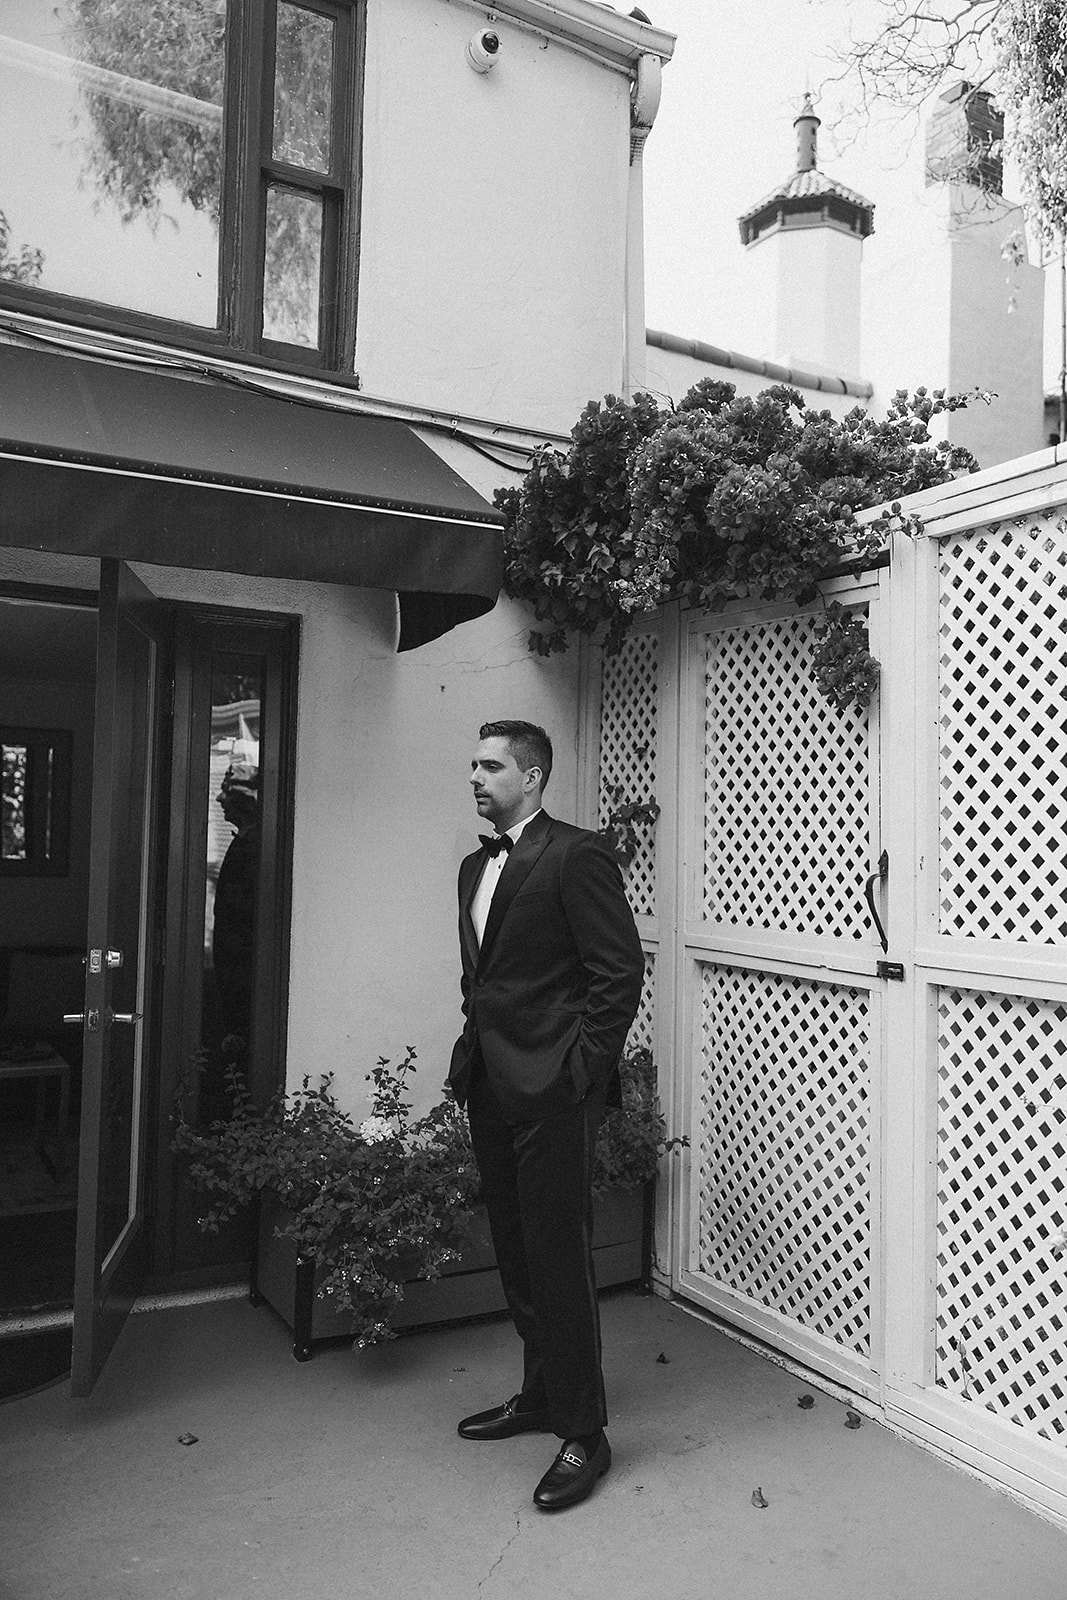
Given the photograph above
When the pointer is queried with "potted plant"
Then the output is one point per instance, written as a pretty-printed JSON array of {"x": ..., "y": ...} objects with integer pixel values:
[{"x": 367, "y": 1228}]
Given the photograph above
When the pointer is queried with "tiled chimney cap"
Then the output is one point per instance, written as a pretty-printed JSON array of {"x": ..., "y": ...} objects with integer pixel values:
[{"x": 808, "y": 198}]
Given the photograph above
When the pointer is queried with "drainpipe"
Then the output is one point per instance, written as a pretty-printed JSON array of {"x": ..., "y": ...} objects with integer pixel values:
[{"x": 644, "y": 103}]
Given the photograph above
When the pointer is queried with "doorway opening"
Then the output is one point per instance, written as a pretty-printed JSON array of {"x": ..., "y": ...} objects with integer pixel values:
[{"x": 181, "y": 984}]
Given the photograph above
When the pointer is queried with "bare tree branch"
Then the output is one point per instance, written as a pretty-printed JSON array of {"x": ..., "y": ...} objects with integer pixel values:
[{"x": 1016, "y": 49}]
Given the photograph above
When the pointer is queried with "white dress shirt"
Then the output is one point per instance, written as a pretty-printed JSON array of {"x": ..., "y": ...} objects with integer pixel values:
[{"x": 494, "y": 866}]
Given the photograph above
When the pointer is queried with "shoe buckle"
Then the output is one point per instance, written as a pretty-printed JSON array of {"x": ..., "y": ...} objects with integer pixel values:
[{"x": 571, "y": 1458}]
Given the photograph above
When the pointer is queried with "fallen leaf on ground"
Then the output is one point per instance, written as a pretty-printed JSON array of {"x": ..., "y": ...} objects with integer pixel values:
[
  {"x": 806, "y": 1402},
  {"x": 853, "y": 1419},
  {"x": 663, "y": 1360},
  {"x": 758, "y": 1500},
  {"x": 188, "y": 1438}
]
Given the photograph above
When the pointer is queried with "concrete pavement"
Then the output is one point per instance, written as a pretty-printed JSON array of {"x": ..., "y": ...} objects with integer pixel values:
[{"x": 343, "y": 1478}]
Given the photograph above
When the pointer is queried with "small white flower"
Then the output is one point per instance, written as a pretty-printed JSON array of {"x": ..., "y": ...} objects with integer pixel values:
[
  {"x": 375, "y": 1129},
  {"x": 1059, "y": 1243}
]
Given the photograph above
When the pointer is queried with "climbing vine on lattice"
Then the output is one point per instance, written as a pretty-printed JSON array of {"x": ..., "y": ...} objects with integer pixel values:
[{"x": 719, "y": 498}]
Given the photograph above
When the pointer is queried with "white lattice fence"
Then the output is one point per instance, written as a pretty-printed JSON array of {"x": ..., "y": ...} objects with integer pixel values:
[
  {"x": 1001, "y": 1198},
  {"x": 1001, "y": 1059},
  {"x": 628, "y": 752},
  {"x": 782, "y": 1148},
  {"x": 823, "y": 1079},
  {"x": 1003, "y": 731},
  {"x": 787, "y": 789},
  {"x": 642, "y": 1033}
]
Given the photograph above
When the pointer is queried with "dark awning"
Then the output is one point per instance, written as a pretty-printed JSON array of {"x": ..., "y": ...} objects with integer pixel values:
[{"x": 100, "y": 459}]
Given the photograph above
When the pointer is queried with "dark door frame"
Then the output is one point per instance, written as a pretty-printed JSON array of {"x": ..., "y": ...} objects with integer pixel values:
[{"x": 199, "y": 633}]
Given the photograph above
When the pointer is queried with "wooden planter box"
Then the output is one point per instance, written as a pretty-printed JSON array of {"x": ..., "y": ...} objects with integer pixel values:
[{"x": 469, "y": 1287}]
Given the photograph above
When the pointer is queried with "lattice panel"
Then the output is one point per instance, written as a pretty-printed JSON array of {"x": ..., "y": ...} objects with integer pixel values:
[
  {"x": 1001, "y": 1198},
  {"x": 787, "y": 840},
  {"x": 1003, "y": 732},
  {"x": 782, "y": 1142},
  {"x": 629, "y": 694},
  {"x": 642, "y": 1032}
]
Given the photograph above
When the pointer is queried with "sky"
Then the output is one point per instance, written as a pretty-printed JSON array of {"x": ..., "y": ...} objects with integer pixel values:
[{"x": 723, "y": 138}]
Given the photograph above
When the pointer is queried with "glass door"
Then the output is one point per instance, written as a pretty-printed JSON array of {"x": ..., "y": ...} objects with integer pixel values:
[
  {"x": 225, "y": 979},
  {"x": 111, "y": 1190}
]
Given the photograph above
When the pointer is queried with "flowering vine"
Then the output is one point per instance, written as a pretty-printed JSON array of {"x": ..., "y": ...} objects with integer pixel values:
[{"x": 721, "y": 497}]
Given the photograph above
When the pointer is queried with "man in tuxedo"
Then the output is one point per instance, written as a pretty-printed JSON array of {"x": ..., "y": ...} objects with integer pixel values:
[{"x": 552, "y": 978}]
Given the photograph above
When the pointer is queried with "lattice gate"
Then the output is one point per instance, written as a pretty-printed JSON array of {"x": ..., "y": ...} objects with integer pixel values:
[
  {"x": 980, "y": 1092},
  {"x": 877, "y": 1179},
  {"x": 778, "y": 988}
]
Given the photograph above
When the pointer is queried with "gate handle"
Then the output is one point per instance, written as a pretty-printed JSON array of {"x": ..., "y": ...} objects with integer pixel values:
[{"x": 878, "y": 877}]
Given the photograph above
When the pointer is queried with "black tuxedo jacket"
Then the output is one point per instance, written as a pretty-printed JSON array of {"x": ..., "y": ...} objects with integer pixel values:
[{"x": 550, "y": 996}]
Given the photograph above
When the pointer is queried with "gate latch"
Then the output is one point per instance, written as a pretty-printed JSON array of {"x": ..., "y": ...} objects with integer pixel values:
[{"x": 891, "y": 969}]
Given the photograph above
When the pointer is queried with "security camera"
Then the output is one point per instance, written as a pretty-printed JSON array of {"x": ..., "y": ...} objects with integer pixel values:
[{"x": 483, "y": 50}]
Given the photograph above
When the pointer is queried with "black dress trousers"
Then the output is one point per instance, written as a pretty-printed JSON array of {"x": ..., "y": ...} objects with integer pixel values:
[{"x": 537, "y": 1187}]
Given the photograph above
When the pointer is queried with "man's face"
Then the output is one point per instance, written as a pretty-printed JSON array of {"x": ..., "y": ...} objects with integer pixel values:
[{"x": 502, "y": 791}]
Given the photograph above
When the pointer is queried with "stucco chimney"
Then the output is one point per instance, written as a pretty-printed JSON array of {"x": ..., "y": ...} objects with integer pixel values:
[
  {"x": 806, "y": 243},
  {"x": 964, "y": 140}
]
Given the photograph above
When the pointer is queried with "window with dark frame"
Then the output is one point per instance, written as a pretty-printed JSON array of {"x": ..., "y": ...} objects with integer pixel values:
[{"x": 192, "y": 163}]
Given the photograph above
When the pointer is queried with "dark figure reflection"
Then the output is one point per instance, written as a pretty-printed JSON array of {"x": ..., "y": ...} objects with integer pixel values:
[{"x": 233, "y": 937}]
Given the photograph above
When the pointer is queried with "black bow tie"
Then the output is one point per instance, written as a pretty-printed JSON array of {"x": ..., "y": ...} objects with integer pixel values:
[{"x": 495, "y": 842}]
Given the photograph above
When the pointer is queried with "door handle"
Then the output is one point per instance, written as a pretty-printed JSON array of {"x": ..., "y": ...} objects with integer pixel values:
[
  {"x": 91, "y": 1019},
  {"x": 878, "y": 877},
  {"x": 93, "y": 1022}
]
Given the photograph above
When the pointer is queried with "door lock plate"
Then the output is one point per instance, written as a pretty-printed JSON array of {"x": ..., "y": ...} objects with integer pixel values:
[{"x": 891, "y": 969}]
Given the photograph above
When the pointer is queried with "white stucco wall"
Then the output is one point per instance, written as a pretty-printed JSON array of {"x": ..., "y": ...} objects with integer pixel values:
[
  {"x": 945, "y": 308},
  {"x": 808, "y": 279},
  {"x": 492, "y": 283},
  {"x": 493, "y": 232}
]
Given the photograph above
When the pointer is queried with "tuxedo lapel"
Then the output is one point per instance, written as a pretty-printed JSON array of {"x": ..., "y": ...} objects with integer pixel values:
[
  {"x": 470, "y": 873},
  {"x": 528, "y": 847}
]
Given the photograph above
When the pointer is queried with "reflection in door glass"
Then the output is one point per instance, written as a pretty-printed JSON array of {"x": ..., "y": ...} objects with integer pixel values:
[{"x": 232, "y": 879}]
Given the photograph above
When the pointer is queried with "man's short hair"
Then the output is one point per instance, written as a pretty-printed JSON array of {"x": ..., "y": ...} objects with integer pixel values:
[{"x": 529, "y": 745}]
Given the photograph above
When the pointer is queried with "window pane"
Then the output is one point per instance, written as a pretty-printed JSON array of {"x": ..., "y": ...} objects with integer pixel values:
[
  {"x": 15, "y": 784},
  {"x": 292, "y": 267},
  {"x": 111, "y": 151},
  {"x": 303, "y": 88},
  {"x": 231, "y": 877}
]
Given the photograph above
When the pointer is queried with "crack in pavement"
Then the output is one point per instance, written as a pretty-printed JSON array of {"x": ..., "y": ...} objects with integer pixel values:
[{"x": 503, "y": 1553}]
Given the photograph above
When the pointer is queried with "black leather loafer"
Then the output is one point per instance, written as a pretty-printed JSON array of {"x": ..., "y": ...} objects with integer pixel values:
[
  {"x": 503, "y": 1422},
  {"x": 572, "y": 1475}
]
